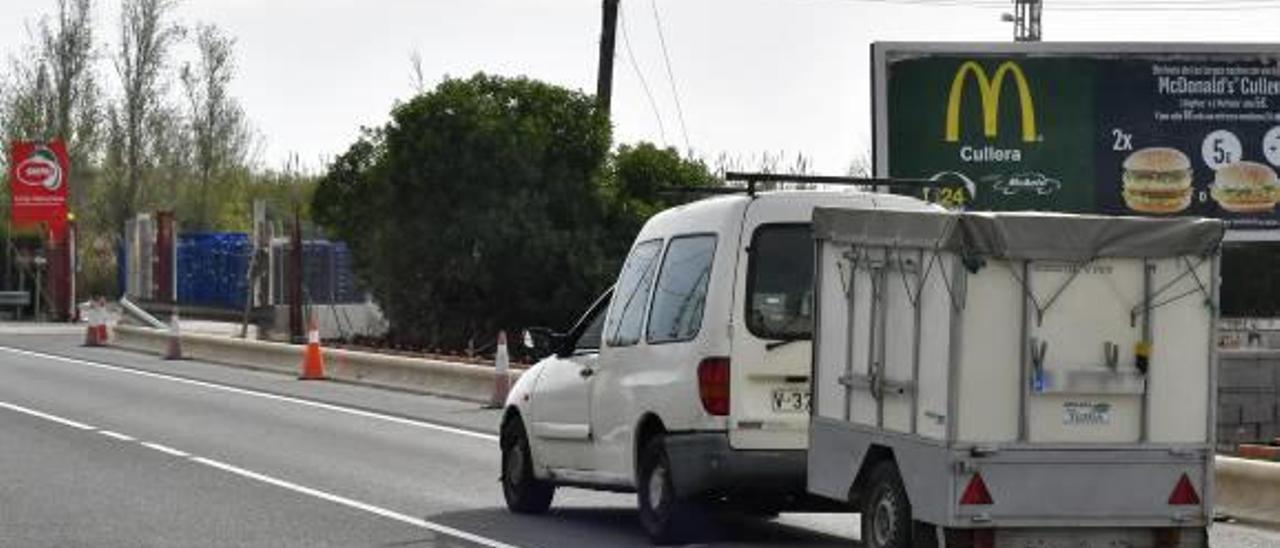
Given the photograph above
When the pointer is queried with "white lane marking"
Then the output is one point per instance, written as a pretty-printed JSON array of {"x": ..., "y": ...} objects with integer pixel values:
[
  {"x": 116, "y": 435},
  {"x": 164, "y": 449},
  {"x": 266, "y": 395},
  {"x": 351, "y": 503},
  {"x": 46, "y": 416},
  {"x": 256, "y": 476}
]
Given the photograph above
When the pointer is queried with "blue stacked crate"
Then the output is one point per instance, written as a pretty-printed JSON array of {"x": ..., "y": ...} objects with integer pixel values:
[
  {"x": 344, "y": 279},
  {"x": 317, "y": 267},
  {"x": 213, "y": 269}
]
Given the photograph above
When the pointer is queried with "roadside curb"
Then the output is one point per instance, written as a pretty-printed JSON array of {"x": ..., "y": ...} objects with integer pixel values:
[{"x": 435, "y": 377}]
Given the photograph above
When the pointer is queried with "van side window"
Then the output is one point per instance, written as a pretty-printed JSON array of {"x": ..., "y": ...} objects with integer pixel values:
[
  {"x": 681, "y": 293},
  {"x": 622, "y": 327}
]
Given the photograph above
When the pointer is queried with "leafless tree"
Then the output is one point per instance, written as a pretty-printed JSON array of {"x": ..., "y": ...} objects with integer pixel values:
[{"x": 219, "y": 132}]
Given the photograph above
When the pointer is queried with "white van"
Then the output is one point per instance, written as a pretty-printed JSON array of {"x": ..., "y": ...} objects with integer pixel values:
[{"x": 689, "y": 382}]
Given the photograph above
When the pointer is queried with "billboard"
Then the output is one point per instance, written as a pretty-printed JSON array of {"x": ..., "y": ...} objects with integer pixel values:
[
  {"x": 1123, "y": 129},
  {"x": 38, "y": 184}
]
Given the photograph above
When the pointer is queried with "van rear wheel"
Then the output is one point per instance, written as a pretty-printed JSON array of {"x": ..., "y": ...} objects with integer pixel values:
[
  {"x": 666, "y": 518},
  {"x": 886, "y": 512}
]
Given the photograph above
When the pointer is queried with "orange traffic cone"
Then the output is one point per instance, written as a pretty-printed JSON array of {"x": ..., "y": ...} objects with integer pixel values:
[
  {"x": 501, "y": 377},
  {"x": 312, "y": 357},
  {"x": 91, "y": 333}
]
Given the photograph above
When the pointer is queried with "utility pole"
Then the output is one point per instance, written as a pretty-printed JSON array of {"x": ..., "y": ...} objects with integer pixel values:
[
  {"x": 608, "y": 31},
  {"x": 1026, "y": 20}
]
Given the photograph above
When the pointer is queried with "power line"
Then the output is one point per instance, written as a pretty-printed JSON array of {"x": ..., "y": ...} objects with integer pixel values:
[
  {"x": 626, "y": 41},
  {"x": 671, "y": 77}
]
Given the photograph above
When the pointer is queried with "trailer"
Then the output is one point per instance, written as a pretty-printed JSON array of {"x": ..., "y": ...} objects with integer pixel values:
[{"x": 1015, "y": 379}]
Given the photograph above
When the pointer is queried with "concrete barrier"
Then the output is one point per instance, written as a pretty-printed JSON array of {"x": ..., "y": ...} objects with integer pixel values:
[
  {"x": 436, "y": 377},
  {"x": 1247, "y": 489}
]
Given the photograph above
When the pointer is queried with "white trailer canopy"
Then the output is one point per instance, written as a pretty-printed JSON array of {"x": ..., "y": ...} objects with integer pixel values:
[{"x": 1022, "y": 235}]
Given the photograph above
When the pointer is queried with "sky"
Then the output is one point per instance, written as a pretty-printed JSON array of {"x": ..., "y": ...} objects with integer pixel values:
[{"x": 752, "y": 77}]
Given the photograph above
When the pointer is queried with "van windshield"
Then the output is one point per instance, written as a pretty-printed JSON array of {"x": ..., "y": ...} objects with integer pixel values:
[{"x": 780, "y": 282}]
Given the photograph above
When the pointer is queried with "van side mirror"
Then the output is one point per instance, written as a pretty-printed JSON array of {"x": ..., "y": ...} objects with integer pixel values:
[{"x": 541, "y": 342}]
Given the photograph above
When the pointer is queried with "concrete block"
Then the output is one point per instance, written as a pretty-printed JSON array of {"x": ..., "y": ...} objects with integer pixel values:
[
  {"x": 1248, "y": 489},
  {"x": 456, "y": 380}
]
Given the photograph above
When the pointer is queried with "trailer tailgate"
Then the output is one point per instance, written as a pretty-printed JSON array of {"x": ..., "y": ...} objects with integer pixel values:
[{"x": 1046, "y": 487}]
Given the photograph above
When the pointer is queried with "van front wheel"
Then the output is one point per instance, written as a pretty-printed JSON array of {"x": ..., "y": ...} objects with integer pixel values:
[
  {"x": 886, "y": 513},
  {"x": 524, "y": 493}
]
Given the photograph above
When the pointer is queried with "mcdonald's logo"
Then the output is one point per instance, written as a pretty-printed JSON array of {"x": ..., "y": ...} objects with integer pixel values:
[{"x": 989, "y": 89}]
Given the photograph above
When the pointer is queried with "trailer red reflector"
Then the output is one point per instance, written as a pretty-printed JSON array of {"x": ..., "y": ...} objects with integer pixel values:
[
  {"x": 1184, "y": 494},
  {"x": 976, "y": 492}
]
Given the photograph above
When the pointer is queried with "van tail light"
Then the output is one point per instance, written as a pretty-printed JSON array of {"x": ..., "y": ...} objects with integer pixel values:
[
  {"x": 976, "y": 492},
  {"x": 1184, "y": 494},
  {"x": 713, "y": 385}
]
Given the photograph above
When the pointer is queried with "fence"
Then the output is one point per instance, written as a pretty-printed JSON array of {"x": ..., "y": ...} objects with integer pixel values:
[{"x": 1248, "y": 386}]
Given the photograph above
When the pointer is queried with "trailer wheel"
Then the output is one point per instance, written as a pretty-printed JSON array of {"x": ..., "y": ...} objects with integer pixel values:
[
  {"x": 666, "y": 518},
  {"x": 524, "y": 493},
  {"x": 886, "y": 512}
]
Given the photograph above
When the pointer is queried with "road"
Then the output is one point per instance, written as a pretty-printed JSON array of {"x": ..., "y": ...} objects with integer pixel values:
[{"x": 103, "y": 447}]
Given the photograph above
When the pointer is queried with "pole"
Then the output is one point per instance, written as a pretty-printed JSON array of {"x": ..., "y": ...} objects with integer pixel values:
[
  {"x": 608, "y": 31},
  {"x": 295, "y": 280}
]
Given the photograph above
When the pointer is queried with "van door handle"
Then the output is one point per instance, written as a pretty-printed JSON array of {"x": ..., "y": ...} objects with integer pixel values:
[{"x": 586, "y": 372}]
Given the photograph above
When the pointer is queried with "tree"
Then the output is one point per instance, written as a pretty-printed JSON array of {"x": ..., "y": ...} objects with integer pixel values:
[
  {"x": 219, "y": 132},
  {"x": 477, "y": 207},
  {"x": 641, "y": 181},
  {"x": 146, "y": 37}
]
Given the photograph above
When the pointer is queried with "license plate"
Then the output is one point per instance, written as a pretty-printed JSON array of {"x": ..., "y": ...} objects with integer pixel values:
[
  {"x": 1086, "y": 413},
  {"x": 790, "y": 400}
]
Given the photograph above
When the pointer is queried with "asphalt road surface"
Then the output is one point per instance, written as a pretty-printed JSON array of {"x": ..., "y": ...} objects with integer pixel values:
[{"x": 103, "y": 447}]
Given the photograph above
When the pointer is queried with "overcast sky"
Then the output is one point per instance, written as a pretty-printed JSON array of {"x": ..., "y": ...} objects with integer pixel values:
[{"x": 752, "y": 76}]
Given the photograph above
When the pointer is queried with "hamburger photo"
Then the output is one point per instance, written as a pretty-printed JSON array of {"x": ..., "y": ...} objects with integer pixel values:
[
  {"x": 1246, "y": 187},
  {"x": 1157, "y": 180}
]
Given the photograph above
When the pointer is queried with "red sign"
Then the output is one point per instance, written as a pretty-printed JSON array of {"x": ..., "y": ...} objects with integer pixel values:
[{"x": 38, "y": 184}]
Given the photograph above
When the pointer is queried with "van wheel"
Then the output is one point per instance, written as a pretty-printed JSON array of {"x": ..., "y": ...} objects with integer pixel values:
[
  {"x": 886, "y": 513},
  {"x": 666, "y": 518},
  {"x": 524, "y": 493}
]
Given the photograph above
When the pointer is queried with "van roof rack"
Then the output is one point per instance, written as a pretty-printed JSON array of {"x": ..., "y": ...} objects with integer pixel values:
[{"x": 752, "y": 179}]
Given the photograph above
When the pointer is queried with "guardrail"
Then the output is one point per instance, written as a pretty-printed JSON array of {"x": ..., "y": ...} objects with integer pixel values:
[{"x": 456, "y": 380}]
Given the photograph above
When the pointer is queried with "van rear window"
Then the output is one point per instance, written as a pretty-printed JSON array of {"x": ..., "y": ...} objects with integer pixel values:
[{"x": 780, "y": 282}]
